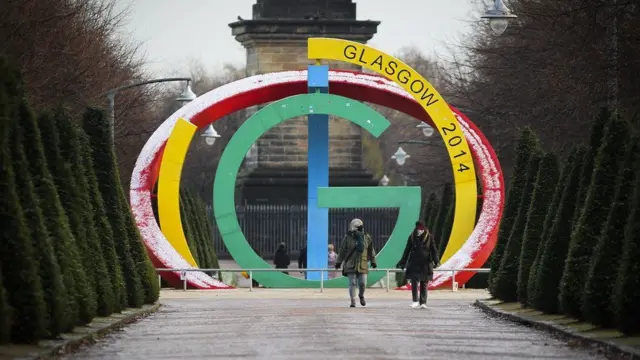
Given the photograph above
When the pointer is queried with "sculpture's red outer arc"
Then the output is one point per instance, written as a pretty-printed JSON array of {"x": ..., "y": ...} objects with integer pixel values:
[{"x": 351, "y": 90}]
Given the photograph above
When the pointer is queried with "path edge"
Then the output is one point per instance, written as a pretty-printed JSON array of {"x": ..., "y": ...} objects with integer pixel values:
[
  {"x": 609, "y": 346},
  {"x": 67, "y": 346}
]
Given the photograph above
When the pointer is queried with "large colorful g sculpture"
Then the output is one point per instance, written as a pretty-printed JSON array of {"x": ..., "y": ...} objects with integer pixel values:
[{"x": 297, "y": 93}]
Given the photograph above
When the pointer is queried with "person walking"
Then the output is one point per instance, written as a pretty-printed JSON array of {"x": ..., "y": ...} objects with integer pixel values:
[
  {"x": 302, "y": 261},
  {"x": 356, "y": 250},
  {"x": 331, "y": 261},
  {"x": 420, "y": 257},
  {"x": 281, "y": 259}
]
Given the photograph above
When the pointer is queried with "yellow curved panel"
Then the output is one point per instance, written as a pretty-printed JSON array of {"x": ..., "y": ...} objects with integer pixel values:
[
  {"x": 169, "y": 187},
  {"x": 427, "y": 96}
]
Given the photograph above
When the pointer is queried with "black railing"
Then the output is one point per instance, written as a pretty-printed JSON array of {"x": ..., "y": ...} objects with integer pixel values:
[{"x": 265, "y": 226}]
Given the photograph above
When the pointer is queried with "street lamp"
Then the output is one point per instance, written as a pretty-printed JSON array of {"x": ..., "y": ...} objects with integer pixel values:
[
  {"x": 427, "y": 130},
  {"x": 499, "y": 17},
  {"x": 210, "y": 135},
  {"x": 384, "y": 181},
  {"x": 186, "y": 96},
  {"x": 400, "y": 156}
]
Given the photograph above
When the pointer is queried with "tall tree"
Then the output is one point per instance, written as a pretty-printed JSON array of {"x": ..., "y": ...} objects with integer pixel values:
[
  {"x": 545, "y": 185},
  {"x": 626, "y": 294},
  {"x": 94, "y": 259},
  {"x": 69, "y": 213},
  {"x": 54, "y": 291},
  {"x": 548, "y": 223},
  {"x": 598, "y": 290},
  {"x": 526, "y": 145},
  {"x": 97, "y": 129},
  {"x": 554, "y": 253},
  {"x": 506, "y": 279},
  {"x": 594, "y": 214},
  {"x": 19, "y": 269},
  {"x": 103, "y": 226}
]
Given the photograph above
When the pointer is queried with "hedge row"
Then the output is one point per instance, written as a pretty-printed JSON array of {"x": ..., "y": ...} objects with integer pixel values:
[
  {"x": 70, "y": 250},
  {"x": 198, "y": 230},
  {"x": 574, "y": 245}
]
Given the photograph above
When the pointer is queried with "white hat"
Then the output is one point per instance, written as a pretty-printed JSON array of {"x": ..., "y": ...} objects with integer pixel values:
[{"x": 353, "y": 226}]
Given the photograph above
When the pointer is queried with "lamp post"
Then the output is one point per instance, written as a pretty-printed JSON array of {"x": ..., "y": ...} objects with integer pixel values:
[
  {"x": 427, "y": 130},
  {"x": 400, "y": 156},
  {"x": 186, "y": 96},
  {"x": 499, "y": 17},
  {"x": 384, "y": 181},
  {"x": 210, "y": 135}
]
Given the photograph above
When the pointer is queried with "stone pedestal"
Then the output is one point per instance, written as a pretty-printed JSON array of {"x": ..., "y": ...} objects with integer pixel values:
[{"x": 276, "y": 40}]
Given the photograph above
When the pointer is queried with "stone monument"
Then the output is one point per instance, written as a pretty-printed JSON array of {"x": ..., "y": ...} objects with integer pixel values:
[{"x": 276, "y": 40}]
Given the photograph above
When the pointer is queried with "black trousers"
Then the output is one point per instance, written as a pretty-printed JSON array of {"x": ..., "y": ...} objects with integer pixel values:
[{"x": 423, "y": 290}]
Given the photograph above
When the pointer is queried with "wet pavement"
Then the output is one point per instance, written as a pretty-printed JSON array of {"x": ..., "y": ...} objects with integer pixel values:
[{"x": 306, "y": 324}]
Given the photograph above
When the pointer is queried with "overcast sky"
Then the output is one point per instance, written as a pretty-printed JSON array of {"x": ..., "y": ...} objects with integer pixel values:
[{"x": 175, "y": 33}]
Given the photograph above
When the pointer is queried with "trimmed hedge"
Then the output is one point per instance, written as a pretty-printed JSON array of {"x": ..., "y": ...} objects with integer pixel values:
[
  {"x": 505, "y": 281},
  {"x": 446, "y": 228},
  {"x": 544, "y": 188},
  {"x": 601, "y": 279},
  {"x": 55, "y": 294},
  {"x": 67, "y": 217},
  {"x": 553, "y": 256},
  {"x": 593, "y": 217},
  {"x": 439, "y": 223},
  {"x": 526, "y": 145},
  {"x": 95, "y": 263},
  {"x": 97, "y": 129},
  {"x": 430, "y": 219},
  {"x": 532, "y": 290}
]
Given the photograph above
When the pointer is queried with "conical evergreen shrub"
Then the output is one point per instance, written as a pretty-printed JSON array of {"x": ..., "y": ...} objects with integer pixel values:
[
  {"x": 601, "y": 278},
  {"x": 54, "y": 292},
  {"x": 190, "y": 209},
  {"x": 544, "y": 187},
  {"x": 526, "y": 145},
  {"x": 209, "y": 232},
  {"x": 597, "y": 134},
  {"x": 146, "y": 271},
  {"x": 19, "y": 269},
  {"x": 5, "y": 313},
  {"x": 200, "y": 232},
  {"x": 433, "y": 213},
  {"x": 69, "y": 215},
  {"x": 506, "y": 279},
  {"x": 428, "y": 207},
  {"x": 188, "y": 228},
  {"x": 103, "y": 226},
  {"x": 446, "y": 229},
  {"x": 443, "y": 210},
  {"x": 626, "y": 296},
  {"x": 105, "y": 168},
  {"x": 548, "y": 223},
  {"x": 593, "y": 217},
  {"x": 94, "y": 259},
  {"x": 554, "y": 253}
]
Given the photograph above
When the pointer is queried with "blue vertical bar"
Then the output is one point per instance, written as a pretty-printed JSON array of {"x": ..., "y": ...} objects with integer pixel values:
[{"x": 318, "y": 176}]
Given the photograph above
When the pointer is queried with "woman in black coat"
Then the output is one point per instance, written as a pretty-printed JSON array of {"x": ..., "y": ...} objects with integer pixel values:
[
  {"x": 419, "y": 258},
  {"x": 281, "y": 259}
]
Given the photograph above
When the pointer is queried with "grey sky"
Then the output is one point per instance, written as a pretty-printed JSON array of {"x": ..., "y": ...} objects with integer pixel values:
[{"x": 176, "y": 33}]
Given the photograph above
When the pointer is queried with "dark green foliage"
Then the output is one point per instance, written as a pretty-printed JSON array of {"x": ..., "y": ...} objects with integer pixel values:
[
  {"x": 146, "y": 271},
  {"x": 188, "y": 228},
  {"x": 593, "y": 217},
  {"x": 598, "y": 290},
  {"x": 526, "y": 145},
  {"x": 545, "y": 185},
  {"x": 505, "y": 282},
  {"x": 54, "y": 292},
  {"x": 103, "y": 227},
  {"x": 433, "y": 212},
  {"x": 5, "y": 313},
  {"x": 69, "y": 220},
  {"x": 626, "y": 295},
  {"x": 446, "y": 229},
  {"x": 19, "y": 269},
  {"x": 94, "y": 260},
  {"x": 548, "y": 222},
  {"x": 428, "y": 207},
  {"x": 443, "y": 210},
  {"x": 597, "y": 134},
  {"x": 105, "y": 168},
  {"x": 196, "y": 231},
  {"x": 209, "y": 235},
  {"x": 554, "y": 253}
]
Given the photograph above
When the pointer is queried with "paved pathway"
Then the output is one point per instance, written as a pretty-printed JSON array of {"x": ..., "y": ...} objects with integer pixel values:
[{"x": 306, "y": 324}]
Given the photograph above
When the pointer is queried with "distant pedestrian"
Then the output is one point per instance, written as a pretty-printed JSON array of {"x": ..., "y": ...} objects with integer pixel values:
[
  {"x": 281, "y": 259},
  {"x": 420, "y": 257},
  {"x": 356, "y": 250},
  {"x": 302, "y": 261},
  {"x": 333, "y": 257}
]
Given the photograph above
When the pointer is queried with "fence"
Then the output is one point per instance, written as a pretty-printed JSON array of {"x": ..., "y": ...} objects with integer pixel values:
[{"x": 265, "y": 226}]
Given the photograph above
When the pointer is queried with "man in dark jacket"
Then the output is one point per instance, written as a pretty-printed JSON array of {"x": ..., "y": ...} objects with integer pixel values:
[
  {"x": 281, "y": 258},
  {"x": 419, "y": 257}
]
